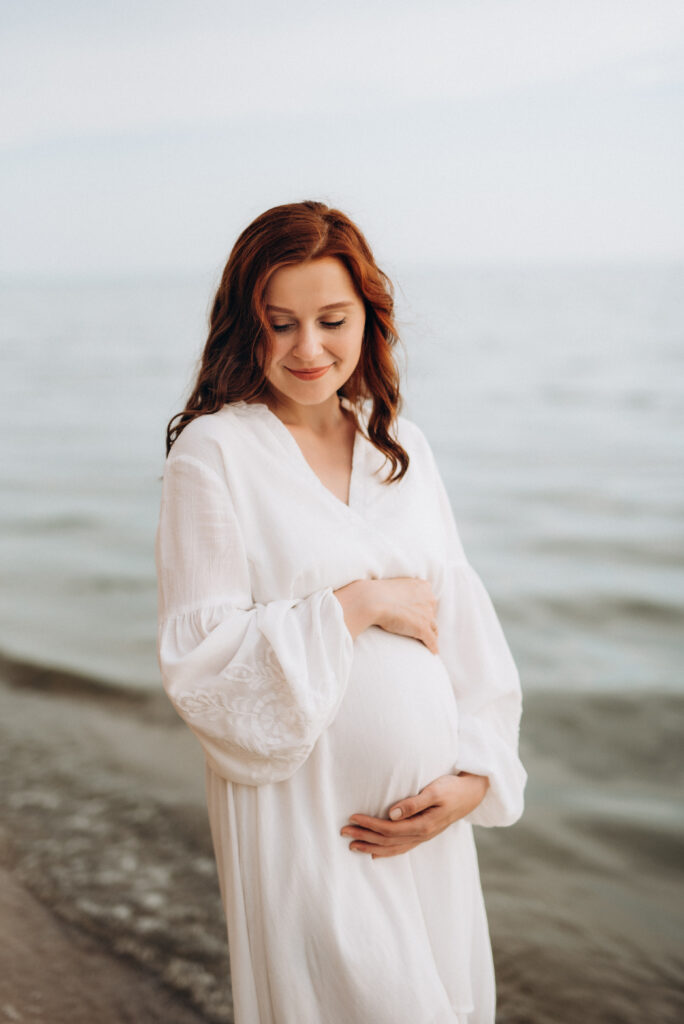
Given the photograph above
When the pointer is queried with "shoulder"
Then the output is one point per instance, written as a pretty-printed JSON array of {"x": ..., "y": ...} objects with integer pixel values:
[
  {"x": 206, "y": 439},
  {"x": 424, "y": 469},
  {"x": 413, "y": 439},
  {"x": 404, "y": 430}
]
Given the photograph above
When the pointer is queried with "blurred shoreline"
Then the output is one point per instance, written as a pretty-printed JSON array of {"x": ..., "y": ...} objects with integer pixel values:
[{"x": 105, "y": 842}]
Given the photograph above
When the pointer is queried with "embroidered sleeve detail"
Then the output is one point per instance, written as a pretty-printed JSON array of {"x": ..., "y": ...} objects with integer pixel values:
[{"x": 258, "y": 708}]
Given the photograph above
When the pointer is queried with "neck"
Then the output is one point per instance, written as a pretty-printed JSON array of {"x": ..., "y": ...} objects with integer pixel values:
[{"x": 319, "y": 419}]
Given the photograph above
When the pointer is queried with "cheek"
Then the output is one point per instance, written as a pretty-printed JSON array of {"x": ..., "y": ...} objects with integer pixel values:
[
  {"x": 278, "y": 349},
  {"x": 352, "y": 344}
]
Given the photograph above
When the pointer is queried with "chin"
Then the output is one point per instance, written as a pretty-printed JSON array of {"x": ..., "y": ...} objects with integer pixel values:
[{"x": 307, "y": 393}]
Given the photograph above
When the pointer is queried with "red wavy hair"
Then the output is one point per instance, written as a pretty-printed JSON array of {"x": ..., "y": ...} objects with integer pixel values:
[{"x": 238, "y": 345}]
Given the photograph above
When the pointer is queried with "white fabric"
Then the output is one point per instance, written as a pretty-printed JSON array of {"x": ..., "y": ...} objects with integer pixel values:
[{"x": 302, "y": 726}]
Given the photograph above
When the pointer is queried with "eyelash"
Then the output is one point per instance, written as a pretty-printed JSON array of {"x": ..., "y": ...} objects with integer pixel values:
[{"x": 330, "y": 326}]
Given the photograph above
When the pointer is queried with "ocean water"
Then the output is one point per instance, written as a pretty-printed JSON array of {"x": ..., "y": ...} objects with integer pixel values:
[{"x": 552, "y": 399}]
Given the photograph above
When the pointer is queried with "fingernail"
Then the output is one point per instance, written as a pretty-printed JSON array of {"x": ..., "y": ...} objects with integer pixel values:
[{"x": 395, "y": 813}]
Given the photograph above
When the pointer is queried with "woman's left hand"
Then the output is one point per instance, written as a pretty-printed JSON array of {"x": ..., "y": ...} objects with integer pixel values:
[{"x": 421, "y": 817}]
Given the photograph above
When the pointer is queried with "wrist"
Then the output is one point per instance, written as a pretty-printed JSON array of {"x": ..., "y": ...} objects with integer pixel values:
[
  {"x": 358, "y": 605},
  {"x": 478, "y": 786},
  {"x": 370, "y": 598}
]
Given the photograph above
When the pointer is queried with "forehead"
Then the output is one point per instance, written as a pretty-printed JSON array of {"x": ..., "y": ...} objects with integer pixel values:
[{"x": 311, "y": 284}]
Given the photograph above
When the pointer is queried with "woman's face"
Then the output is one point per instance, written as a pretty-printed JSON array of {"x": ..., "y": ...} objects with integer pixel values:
[{"x": 317, "y": 322}]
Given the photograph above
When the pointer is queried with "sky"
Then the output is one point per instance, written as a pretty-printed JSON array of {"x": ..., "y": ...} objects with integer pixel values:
[{"x": 140, "y": 137}]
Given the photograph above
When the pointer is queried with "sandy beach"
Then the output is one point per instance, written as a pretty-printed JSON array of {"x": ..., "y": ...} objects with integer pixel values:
[{"x": 110, "y": 904}]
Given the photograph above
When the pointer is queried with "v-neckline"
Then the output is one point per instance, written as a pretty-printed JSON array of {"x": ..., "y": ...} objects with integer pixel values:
[{"x": 289, "y": 441}]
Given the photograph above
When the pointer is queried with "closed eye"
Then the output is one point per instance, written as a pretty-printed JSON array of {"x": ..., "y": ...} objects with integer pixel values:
[{"x": 330, "y": 325}]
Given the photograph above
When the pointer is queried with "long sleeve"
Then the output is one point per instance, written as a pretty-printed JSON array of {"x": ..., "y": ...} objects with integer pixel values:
[
  {"x": 484, "y": 677},
  {"x": 256, "y": 683}
]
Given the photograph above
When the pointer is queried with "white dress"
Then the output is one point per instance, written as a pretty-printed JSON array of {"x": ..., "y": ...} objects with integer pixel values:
[{"x": 302, "y": 726}]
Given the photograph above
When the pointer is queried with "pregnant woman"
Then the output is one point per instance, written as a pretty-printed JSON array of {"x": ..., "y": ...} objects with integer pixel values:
[{"x": 325, "y": 638}]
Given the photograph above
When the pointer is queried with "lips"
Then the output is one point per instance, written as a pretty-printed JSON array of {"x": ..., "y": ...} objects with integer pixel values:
[{"x": 309, "y": 374}]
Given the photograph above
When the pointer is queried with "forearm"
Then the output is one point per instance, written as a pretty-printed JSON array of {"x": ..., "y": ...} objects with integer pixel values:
[
  {"x": 477, "y": 790},
  {"x": 359, "y": 605},
  {"x": 402, "y": 605}
]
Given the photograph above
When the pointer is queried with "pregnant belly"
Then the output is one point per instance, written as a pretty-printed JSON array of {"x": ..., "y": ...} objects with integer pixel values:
[{"x": 397, "y": 727}]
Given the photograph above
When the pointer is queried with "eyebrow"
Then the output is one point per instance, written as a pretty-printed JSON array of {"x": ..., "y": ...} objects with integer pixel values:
[{"x": 330, "y": 305}]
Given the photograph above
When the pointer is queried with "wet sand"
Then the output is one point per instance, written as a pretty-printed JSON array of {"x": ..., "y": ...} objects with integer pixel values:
[
  {"x": 50, "y": 971},
  {"x": 110, "y": 903}
]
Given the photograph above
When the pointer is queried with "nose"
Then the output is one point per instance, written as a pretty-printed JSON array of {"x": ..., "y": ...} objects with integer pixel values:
[{"x": 307, "y": 342}]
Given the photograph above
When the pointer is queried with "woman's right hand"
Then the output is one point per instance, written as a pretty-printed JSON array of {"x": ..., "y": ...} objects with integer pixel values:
[{"x": 403, "y": 605}]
